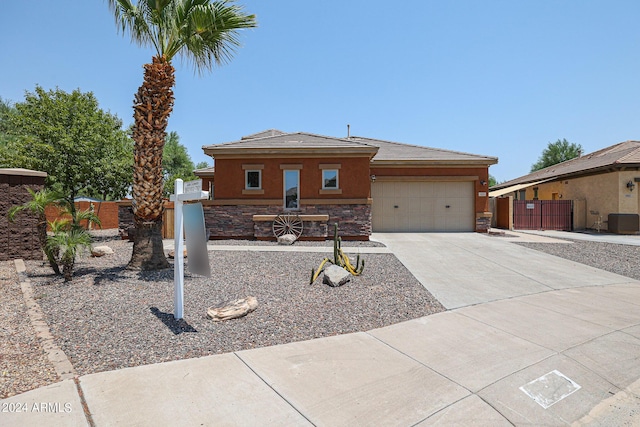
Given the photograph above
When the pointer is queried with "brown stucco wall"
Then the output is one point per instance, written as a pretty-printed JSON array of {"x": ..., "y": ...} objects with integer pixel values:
[
  {"x": 18, "y": 239},
  {"x": 353, "y": 178}
]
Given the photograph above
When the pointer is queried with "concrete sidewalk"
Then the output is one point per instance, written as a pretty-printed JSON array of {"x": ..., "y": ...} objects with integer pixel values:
[{"x": 559, "y": 345}]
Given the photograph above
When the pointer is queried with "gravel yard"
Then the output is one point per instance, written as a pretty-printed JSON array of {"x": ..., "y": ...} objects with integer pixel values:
[
  {"x": 619, "y": 259},
  {"x": 110, "y": 318},
  {"x": 23, "y": 363}
]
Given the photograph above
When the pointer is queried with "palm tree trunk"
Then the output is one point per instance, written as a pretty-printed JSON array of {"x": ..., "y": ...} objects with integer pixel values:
[
  {"x": 152, "y": 105},
  {"x": 42, "y": 237}
]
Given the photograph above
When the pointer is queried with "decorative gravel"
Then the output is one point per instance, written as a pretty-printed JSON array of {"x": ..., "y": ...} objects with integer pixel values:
[
  {"x": 110, "y": 317},
  {"x": 615, "y": 258},
  {"x": 23, "y": 362}
]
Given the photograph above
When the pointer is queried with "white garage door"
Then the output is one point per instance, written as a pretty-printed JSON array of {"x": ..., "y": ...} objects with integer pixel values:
[{"x": 423, "y": 206}]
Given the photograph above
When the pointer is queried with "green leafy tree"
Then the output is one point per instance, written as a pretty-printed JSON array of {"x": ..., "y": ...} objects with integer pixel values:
[
  {"x": 203, "y": 32},
  {"x": 176, "y": 163},
  {"x": 557, "y": 152},
  {"x": 492, "y": 180},
  {"x": 82, "y": 148},
  {"x": 6, "y": 110}
]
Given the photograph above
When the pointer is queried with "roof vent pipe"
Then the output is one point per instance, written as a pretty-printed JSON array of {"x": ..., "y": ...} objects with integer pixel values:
[{"x": 348, "y": 130}]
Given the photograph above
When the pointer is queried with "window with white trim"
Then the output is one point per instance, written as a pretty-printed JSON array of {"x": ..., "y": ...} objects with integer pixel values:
[
  {"x": 253, "y": 179},
  {"x": 330, "y": 179}
]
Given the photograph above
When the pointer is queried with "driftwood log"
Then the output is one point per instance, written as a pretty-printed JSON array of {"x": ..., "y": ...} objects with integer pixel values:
[{"x": 232, "y": 309}]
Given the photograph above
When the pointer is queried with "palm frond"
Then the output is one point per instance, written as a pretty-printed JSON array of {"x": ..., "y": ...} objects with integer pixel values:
[{"x": 38, "y": 203}]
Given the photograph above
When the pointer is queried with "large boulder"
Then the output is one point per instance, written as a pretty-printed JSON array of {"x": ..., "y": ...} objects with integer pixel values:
[
  {"x": 335, "y": 276},
  {"x": 98, "y": 251}
]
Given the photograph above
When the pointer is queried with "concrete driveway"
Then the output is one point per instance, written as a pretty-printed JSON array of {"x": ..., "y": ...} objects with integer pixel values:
[{"x": 462, "y": 269}]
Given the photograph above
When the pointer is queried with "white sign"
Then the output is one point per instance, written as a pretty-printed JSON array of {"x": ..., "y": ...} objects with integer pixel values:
[
  {"x": 178, "y": 230},
  {"x": 482, "y": 194},
  {"x": 193, "y": 186},
  {"x": 531, "y": 206}
]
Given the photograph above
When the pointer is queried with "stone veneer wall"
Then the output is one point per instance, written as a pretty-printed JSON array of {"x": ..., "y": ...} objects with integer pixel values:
[
  {"x": 483, "y": 222},
  {"x": 18, "y": 239},
  {"x": 236, "y": 221}
]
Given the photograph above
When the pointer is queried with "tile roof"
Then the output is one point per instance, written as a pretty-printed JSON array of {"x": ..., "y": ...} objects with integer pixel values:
[
  {"x": 288, "y": 140},
  {"x": 386, "y": 151},
  {"x": 396, "y": 151},
  {"x": 268, "y": 132},
  {"x": 618, "y": 155}
]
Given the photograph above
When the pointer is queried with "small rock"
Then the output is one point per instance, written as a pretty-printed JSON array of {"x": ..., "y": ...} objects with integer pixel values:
[
  {"x": 98, "y": 251},
  {"x": 287, "y": 239},
  {"x": 172, "y": 253},
  {"x": 335, "y": 276}
]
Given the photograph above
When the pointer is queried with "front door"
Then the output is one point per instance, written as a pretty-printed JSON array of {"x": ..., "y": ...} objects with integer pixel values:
[{"x": 291, "y": 189}]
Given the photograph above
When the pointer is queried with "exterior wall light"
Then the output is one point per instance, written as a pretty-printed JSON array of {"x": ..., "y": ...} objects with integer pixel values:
[
  {"x": 373, "y": 178},
  {"x": 630, "y": 185},
  {"x": 483, "y": 182}
]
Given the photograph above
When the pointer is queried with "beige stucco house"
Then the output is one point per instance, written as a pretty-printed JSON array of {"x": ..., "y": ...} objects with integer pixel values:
[{"x": 600, "y": 184}]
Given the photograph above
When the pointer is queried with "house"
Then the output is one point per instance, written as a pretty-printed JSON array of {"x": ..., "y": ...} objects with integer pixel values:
[
  {"x": 362, "y": 184},
  {"x": 602, "y": 186}
]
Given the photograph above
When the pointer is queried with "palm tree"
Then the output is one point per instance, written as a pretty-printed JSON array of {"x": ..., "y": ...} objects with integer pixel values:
[
  {"x": 204, "y": 32},
  {"x": 68, "y": 238},
  {"x": 38, "y": 204}
]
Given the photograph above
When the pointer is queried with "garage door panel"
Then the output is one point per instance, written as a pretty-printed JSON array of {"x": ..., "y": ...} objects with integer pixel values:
[{"x": 422, "y": 206}]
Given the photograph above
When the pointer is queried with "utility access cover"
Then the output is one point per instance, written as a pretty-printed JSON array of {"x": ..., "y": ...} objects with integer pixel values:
[{"x": 550, "y": 388}]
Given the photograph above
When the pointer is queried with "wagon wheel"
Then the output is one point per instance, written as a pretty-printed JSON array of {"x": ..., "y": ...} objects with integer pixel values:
[{"x": 287, "y": 224}]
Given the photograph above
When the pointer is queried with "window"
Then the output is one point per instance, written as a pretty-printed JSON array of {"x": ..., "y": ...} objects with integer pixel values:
[
  {"x": 329, "y": 179},
  {"x": 291, "y": 189},
  {"x": 253, "y": 179}
]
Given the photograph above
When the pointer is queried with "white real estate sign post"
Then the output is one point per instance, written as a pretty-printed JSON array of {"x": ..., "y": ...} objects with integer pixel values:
[{"x": 179, "y": 197}]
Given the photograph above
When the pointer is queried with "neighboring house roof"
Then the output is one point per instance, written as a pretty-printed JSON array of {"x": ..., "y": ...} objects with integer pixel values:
[
  {"x": 624, "y": 154},
  {"x": 390, "y": 152},
  {"x": 291, "y": 144},
  {"x": 86, "y": 199},
  {"x": 210, "y": 171},
  {"x": 383, "y": 152}
]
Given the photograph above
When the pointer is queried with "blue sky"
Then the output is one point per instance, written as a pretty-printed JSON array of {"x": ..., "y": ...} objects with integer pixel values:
[{"x": 494, "y": 77}]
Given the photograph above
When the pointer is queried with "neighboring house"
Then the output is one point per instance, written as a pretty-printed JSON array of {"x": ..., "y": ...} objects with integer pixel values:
[
  {"x": 599, "y": 184},
  {"x": 362, "y": 184}
]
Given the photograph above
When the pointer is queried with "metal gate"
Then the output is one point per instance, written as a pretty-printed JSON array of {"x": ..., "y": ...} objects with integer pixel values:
[{"x": 543, "y": 215}]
